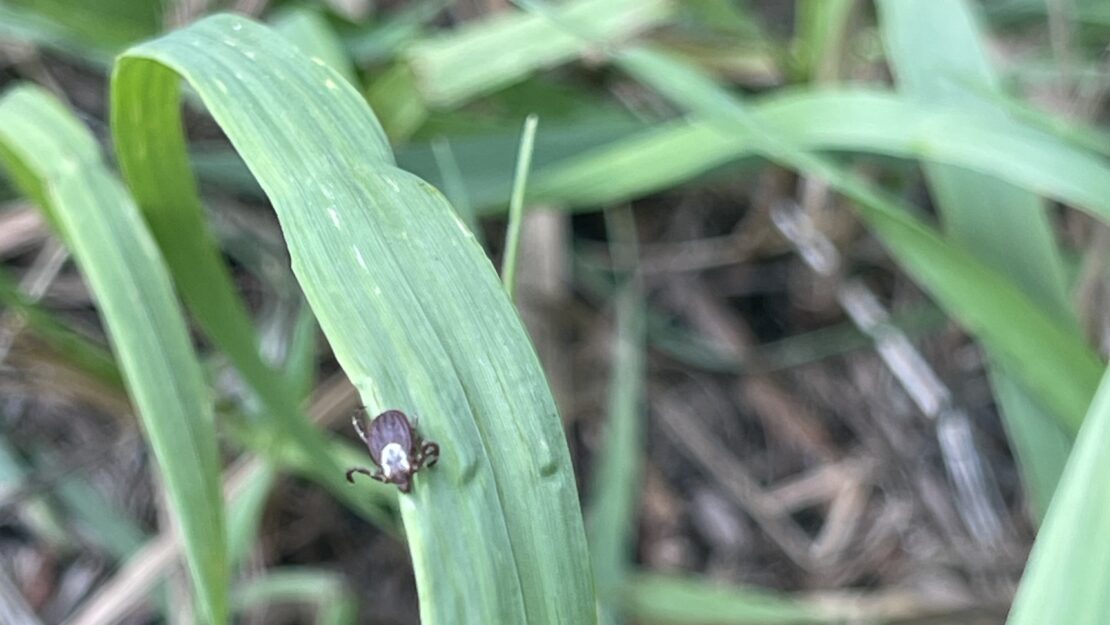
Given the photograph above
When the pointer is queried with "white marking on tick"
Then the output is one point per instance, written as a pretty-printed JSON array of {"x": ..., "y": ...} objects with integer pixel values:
[
  {"x": 334, "y": 217},
  {"x": 359, "y": 258},
  {"x": 394, "y": 459}
]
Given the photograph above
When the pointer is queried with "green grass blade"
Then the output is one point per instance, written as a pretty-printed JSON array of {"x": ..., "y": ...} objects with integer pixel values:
[
  {"x": 857, "y": 120},
  {"x": 91, "y": 32},
  {"x": 1069, "y": 568},
  {"x": 516, "y": 204},
  {"x": 973, "y": 293},
  {"x": 310, "y": 32},
  {"x": 334, "y": 603},
  {"x": 1002, "y": 225},
  {"x": 682, "y": 600},
  {"x": 166, "y": 194},
  {"x": 78, "y": 350},
  {"x": 822, "y": 31},
  {"x": 411, "y": 306},
  {"x": 496, "y": 52},
  {"x": 123, "y": 268},
  {"x": 615, "y": 488}
]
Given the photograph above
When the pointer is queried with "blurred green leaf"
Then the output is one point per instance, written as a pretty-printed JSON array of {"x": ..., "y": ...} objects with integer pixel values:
[
  {"x": 857, "y": 120},
  {"x": 681, "y": 600},
  {"x": 1049, "y": 358},
  {"x": 310, "y": 32},
  {"x": 1069, "y": 568},
  {"x": 334, "y": 603},
  {"x": 616, "y": 483},
  {"x": 103, "y": 229},
  {"x": 1002, "y": 225},
  {"x": 492, "y": 53}
]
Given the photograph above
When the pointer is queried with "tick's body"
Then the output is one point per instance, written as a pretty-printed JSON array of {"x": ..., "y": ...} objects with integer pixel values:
[{"x": 395, "y": 447}]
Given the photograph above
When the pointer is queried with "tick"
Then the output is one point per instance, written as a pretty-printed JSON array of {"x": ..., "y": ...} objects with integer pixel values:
[{"x": 395, "y": 447}]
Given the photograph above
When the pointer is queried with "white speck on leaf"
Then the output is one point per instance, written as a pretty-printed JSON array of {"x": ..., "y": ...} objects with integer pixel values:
[
  {"x": 359, "y": 258},
  {"x": 330, "y": 84},
  {"x": 319, "y": 61},
  {"x": 249, "y": 54},
  {"x": 221, "y": 86},
  {"x": 392, "y": 184},
  {"x": 237, "y": 26},
  {"x": 334, "y": 217}
]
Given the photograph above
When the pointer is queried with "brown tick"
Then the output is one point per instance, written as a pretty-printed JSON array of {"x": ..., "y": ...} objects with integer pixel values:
[{"x": 395, "y": 447}]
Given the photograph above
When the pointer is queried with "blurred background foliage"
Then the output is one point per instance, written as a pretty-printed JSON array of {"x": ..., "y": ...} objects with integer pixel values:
[{"x": 819, "y": 287}]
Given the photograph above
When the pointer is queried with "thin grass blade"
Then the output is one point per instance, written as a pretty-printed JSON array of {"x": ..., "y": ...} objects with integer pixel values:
[
  {"x": 615, "y": 488},
  {"x": 516, "y": 204}
]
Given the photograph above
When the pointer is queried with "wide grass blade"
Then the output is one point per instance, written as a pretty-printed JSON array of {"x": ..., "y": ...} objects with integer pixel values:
[
  {"x": 1002, "y": 225},
  {"x": 1069, "y": 568},
  {"x": 408, "y": 301},
  {"x": 496, "y": 52},
  {"x": 974, "y": 294},
  {"x": 166, "y": 195},
  {"x": 57, "y": 163}
]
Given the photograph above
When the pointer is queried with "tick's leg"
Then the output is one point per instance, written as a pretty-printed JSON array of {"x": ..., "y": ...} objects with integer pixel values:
[
  {"x": 358, "y": 426},
  {"x": 429, "y": 454},
  {"x": 373, "y": 475}
]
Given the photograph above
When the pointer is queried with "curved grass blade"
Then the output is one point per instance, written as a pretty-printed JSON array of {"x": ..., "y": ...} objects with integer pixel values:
[
  {"x": 100, "y": 224},
  {"x": 176, "y": 219},
  {"x": 1069, "y": 568},
  {"x": 1002, "y": 225},
  {"x": 977, "y": 296},
  {"x": 410, "y": 304},
  {"x": 333, "y": 601},
  {"x": 859, "y": 120}
]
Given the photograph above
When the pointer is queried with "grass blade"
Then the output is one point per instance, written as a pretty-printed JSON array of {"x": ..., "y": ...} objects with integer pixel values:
[
  {"x": 1069, "y": 568},
  {"x": 407, "y": 299},
  {"x": 1002, "y": 225},
  {"x": 974, "y": 294},
  {"x": 858, "y": 120},
  {"x": 496, "y": 52},
  {"x": 310, "y": 32},
  {"x": 616, "y": 483},
  {"x": 334, "y": 603},
  {"x": 121, "y": 264},
  {"x": 166, "y": 195},
  {"x": 516, "y": 204},
  {"x": 669, "y": 599}
]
